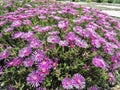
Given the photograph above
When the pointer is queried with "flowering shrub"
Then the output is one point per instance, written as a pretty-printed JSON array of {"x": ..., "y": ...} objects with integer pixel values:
[{"x": 48, "y": 46}]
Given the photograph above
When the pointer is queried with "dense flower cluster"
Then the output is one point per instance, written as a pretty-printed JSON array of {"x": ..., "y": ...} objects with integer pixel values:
[{"x": 57, "y": 46}]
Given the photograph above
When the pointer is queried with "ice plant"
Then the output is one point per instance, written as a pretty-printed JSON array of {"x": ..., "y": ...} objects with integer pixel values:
[
  {"x": 34, "y": 79},
  {"x": 78, "y": 81},
  {"x": 25, "y": 52},
  {"x": 99, "y": 62},
  {"x": 67, "y": 83},
  {"x": 4, "y": 54},
  {"x": 54, "y": 46}
]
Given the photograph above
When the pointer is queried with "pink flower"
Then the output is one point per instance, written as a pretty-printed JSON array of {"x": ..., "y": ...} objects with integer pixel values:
[
  {"x": 53, "y": 39},
  {"x": 4, "y": 54},
  {"x": 25, "y": 52},
  {"x": 28, "y": 62},
  {"x": 99, "y": 62},
  {"x": 78, "y": 81},
  {"x": 16, "y": 23},
  {"x": 67, "y": 83},
  {"x": 63, "y": 25}
]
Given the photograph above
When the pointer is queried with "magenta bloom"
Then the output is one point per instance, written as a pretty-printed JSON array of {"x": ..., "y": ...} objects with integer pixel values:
[
  {"x": 45, "y": 63},
  {"x": 67, "y": 83},
  {"x": 63, "y": 25},
  {"x": 99, "y": 62},
  {"x": 17, "y": 35},
  {"x": 81, "y": 43},
  {"x": 4, "y": 54},
  {"x": 35, "y": 43},
  {"x": 96, "y": 43},
  {"x": 25, "y": 52},
  {"x": 34, "y": 79},
  {"x": 43, "y": 70},
  {"x": 10, "y": 63},
  {"x": 28, "y": 62},
  {"x": 16, "y": 23},
  {"x": 111, "y": 78},
  {"x": 53, "y": 39},
  {"x": 27, "y": 22},
  {"x": 63, "y": 43},
  {"x": 17, "y": 61},
  {"x": 9, "y": 29},
  {"x": 28, "y": 35},
  {"x": 38, "y": 55},
  {"x": 70, "y": 37},
  {"x": 53, "y": 32},
  {"x": 78, "y": 81},
  {"x": 93, "y": 88}
]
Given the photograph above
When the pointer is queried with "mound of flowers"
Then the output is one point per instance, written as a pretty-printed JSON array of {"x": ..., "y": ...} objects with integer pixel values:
[{"x": 56, "y": 46}]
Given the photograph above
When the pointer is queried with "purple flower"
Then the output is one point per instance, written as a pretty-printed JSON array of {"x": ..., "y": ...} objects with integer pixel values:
[
  {"x": 28, "y": 35},
  {"x": 96, "y": 43},
  {"x": 25, "y": 52},
  {"x": 17, "y": 61},
  {"x": 9, "y": 29},
  {"x": 99, "y": 62},
  {"x": 42, "y": 29},
  {"x": 43, "y": 70},
  {"x": 118, "y": 55},
  {"x": 70, "y": 37},
  {"x": 78, "y": 81},
  {"x": 79, "y": 30},
  {"x": 2, "y": 23},
  {"x": 4, "y": 54},
  {"x": 67, "y": 83},
  {"x": 34, "y": 79},
  {"x": 35, "y": 43},
  {"x": 38, "y": 55},
  {"x": 53, "y": 39},
  {"x": 28, "y": 62},
  {"x": 93, "y": 88},
  {"x": 63, "y": 25},
  {"x": 45, "y": 63},
  {"x": 53, "y": 32},
  {"x": 63, "y": 43},
  {"x": 81, "y": 43},
  {"x": 114, "y": 59},
  {"x": 16, "y": 23},
  {"x": 27, "y": 22},
  {"x": 10, "y": 63},
  {"x": 111, "y": 78},
  {"x": 17, "y": 35}
]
